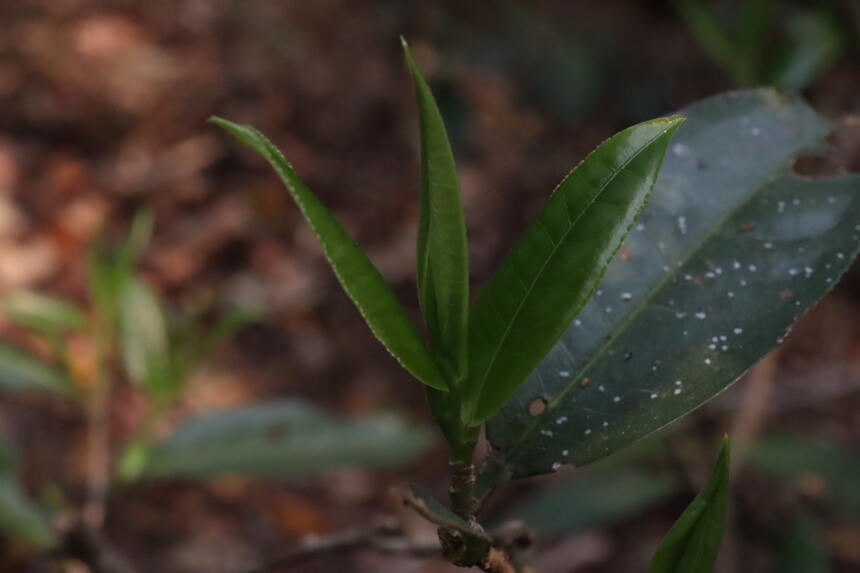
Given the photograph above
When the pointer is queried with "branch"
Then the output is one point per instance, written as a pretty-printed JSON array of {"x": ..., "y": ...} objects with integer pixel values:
[{"x": 383, "y": 536}]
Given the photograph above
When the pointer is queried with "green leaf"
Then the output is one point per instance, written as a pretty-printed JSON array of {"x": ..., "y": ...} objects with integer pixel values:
[
  {"x": 42, "y": 313},
  {"x": 143, "y": 332},
  {"x": 20, "y": 517},
  {"x": 23, "y": 372},
  {"x": 282, "y": 438},
  {"x": 732, "y": 248},
  {"x": 443, "y": 255},
  {"x": 592, "y": 498},
  {"x": 793, "y": 458},
  {"x": 359, "y": 278},
  {"x": 556, "y": 263},
  {"x": 692, "y": 544}
]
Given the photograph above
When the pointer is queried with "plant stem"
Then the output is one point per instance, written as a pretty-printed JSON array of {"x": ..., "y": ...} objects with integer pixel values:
[
  {"x": 98, "y": 436},
  {"x": 462, "y": 489}
]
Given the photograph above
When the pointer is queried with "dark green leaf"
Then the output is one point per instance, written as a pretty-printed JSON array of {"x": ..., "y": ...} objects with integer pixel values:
[
  {"x": 282, "y": 438},
  {"x": 23, "y": 372},
  {"x": 443, "y": 255},
  {"x": 42, "y": 313},
  {"x": 556, "y": 263},
  {"x": 592, "y": 498},
  {"x": 359, "y": 278},
  {"x": 691, "y": 546},
  {"x": 732, "y": 248}
]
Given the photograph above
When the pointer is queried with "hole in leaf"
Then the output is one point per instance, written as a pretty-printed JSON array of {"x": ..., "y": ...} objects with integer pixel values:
[
  {"x": 537, "y": 407},
  {"x": 815, "y": 166}
]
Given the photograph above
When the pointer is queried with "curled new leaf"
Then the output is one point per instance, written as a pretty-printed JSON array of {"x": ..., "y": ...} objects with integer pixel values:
[
  {"x": 357, "y": 275},
  {"x": 443, "y": 255}
]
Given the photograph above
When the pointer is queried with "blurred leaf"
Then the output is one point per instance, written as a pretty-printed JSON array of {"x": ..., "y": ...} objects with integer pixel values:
[
  {"x": 708, "y": 32},
  {"x": 360, "y": 279},
  {"x": 138, "y": 238},
  {"x": 144, "y": 341},
  {"x": 555, "y": 264},
  {"x": 20, "y": 517},
  {"x": 814, "y": 41},
  {"x": 691, "y": 546},
  {"x": 22, "y": 372},
  {"x": 442, "y": 252},
  {"x": 730, "y": 251},
  {"x": 42, "y": 313},
  {"x": 592, "y": 498},
  {"x": 793, "y": 458},
  {"x": 282, "y": 438},
  {"x": 192, "y": 341},
  {"x": 802, "y": 548}
]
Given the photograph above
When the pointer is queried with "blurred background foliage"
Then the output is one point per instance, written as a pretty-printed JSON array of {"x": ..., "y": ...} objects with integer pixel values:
[{"x": 104, "y": 106}]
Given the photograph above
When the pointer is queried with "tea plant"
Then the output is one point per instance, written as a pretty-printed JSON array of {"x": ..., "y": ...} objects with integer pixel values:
[
  {"x": 135, "y": 338},
  {"x": 570, "y": 352}
]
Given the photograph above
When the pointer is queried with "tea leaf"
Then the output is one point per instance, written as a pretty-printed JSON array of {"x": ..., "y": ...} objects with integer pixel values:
[
  {"x": 282, "y": 438},
  {"x": 732, "y": 249},
  {"x": 556, "y": 263},
  {"x": 360, "y": 279},
  {"x": 692, "y": 544},
  {"x": 443, "y": 255}
]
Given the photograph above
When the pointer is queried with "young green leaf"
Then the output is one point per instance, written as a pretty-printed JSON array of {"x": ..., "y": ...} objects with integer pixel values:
[
  {"x": 731, "y": 249},
  {"x": 359, "y": 277},
  {"x": 42, "y": 313},
  {"x": 692, "y": 544},
  {"x": 555, "y": 265},
  {"x": 443, "y": 255},
  {"x": 287, "y": 438}
]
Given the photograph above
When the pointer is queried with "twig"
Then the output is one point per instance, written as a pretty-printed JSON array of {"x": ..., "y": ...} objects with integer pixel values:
[{"x": 383, "y": 537}]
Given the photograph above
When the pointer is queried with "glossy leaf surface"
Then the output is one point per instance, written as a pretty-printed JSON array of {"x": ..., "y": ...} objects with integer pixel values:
[
  {"x": 359, "y": 277},
  {"x": 442, "y": 252},
  {"x": 692, "y": 544},
  {"x": 732, "y": 248},
  {"x": 282, "y": 438},
  {"x": 556, "y": 263}
]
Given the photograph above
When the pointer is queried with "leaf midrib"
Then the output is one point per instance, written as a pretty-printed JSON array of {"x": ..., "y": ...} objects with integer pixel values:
[
  {"x": 625, "y": 323},
  {"x": 556, "y": 246}
]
